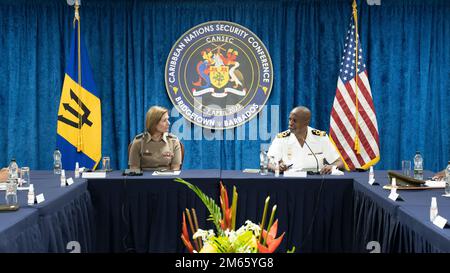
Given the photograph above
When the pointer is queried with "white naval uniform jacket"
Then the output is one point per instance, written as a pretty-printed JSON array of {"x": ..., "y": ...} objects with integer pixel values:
[{"x": 287, "y": 148}]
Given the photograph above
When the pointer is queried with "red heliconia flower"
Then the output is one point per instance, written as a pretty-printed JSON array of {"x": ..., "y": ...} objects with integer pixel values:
[
  {"x": 225, "y": 223},
  {"x": 271, "y": 242},
  {"x": 185, "y": 236}
]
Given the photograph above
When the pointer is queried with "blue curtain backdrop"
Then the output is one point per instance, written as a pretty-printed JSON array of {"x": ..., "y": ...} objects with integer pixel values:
[{"x": 406, "y": 44}]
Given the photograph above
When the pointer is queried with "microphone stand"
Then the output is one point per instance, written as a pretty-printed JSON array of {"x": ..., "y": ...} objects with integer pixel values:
[{"x": 317, "y": 161}]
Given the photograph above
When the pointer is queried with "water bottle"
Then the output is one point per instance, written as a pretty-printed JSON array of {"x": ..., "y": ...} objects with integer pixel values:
[
  {"x": 371, "y": 175},
  {"x": 31, "y": 196},
  {"x": 63, "y": 178},
  {"x": 447, "y": 179},
  {"x": 394, "y": 182},
  {"x": 433, "y": 209},
  {"x": 13, "y": 171},
  {"x": 263, "y": 162},
  {"x": 57, "y": 164},
  {"x": 77, "y": 170},
  {"x": 11, "y": 185},
  {"x": 418, "y": 166}
]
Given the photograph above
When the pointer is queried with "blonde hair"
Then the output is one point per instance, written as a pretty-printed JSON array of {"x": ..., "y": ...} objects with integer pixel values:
[{"x": 152, "y": 118}]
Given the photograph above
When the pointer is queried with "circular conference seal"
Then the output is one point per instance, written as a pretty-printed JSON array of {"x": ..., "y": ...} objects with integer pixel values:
[{"x": 219, "y": 75}]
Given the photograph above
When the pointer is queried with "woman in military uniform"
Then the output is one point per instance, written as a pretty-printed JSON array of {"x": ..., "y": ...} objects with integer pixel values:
[{"x": 155, "y": 149}]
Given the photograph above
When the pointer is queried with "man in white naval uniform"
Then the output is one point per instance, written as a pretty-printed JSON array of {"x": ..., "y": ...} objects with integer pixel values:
[{"x": 294, "y": 148}]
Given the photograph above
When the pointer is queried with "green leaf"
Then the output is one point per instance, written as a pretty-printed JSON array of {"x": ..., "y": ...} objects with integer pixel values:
[
  {"x": 246, "y": 240},
  {"x": 222, "y": 244},
  {"x": 214, "y": 210},
  {"x": 292, "y": 250}
]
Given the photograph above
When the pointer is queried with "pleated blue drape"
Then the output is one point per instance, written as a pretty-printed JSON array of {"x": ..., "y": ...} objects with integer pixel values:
[{"x": 406, "y": 44}]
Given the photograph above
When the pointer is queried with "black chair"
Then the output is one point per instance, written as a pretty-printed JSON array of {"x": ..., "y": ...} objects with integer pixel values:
[{"x": 182, "y": 154}]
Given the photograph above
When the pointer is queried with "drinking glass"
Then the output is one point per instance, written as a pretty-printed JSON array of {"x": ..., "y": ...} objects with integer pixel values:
[
  {"x": 11, "y": 193},
  {"x": 25, "y": 175},
  {"x": 106, "y": 162},
  {"x": 406, "y": 167}
]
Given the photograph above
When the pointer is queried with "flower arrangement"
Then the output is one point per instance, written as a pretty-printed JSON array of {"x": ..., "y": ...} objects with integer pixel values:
[{"x": 249, "y": 238}]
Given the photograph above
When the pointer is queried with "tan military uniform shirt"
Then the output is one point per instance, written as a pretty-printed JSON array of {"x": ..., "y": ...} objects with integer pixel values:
[{"x": 147, "y": 154}]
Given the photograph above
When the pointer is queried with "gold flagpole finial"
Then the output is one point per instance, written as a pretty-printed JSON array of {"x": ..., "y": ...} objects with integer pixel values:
[{"x": 77, "y": 14}]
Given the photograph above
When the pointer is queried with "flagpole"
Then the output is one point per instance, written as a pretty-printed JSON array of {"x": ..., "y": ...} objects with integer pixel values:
[
  {"x": 355, "y": 17},
  {"x": 77, "y": 19}
]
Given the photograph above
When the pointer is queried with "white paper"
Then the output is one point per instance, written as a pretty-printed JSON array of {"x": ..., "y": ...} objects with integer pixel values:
[
  {"x": 435, "y": 184},
  {"x": 166, "y": 173},
  {"x": 3, "y": 187},
  {"x": 94, "y": 175},
  {"x": 440, "y": 222},
  {"x": 294, "y": 173},
  {"x": 336, "y": 171},
  {"x": 251, "y": 171},
  {"x": 40, "y": 198},
  {"x": 69, "y": 181},
  {"x": 394, "y": 195}
]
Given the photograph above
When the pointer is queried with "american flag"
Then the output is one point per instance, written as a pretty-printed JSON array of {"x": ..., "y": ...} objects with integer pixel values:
[{"x": 353, "y": 123}]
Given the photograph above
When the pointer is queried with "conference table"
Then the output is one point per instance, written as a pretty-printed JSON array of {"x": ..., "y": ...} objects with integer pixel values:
[
  {"x": 315, "y": 212},
  {"x": 318, "y": 213},
  {"x": 144, "y": 213},
  {"x": 64, "y": 216},
  {"x": 399, "y": 226}
]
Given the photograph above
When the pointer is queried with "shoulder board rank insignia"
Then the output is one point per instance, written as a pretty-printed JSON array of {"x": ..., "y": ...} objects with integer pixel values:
[
  {"x": 284, "y": 134},
  {"x": 318, "y": 133},
  {"x": 139, "y": 136},
  {"x": 169, "y": 135}
]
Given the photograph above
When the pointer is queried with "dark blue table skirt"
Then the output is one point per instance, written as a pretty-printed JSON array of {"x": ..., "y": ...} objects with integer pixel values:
[
  {"x": 65, "y": 215},
  {"x": 20, "y": 232},
  {"x": 315, "y": 213},
  {"x": 417, "y": 234},
  {"x": 373, "y": 223},
  {"x": 144, "y": 214},
  {"x": 72, "y": 222},
  {"x": 375, "y": 216}
]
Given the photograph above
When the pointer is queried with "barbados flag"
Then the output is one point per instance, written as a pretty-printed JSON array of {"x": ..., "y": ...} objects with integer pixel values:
[{"x": 79, "y": 128}]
